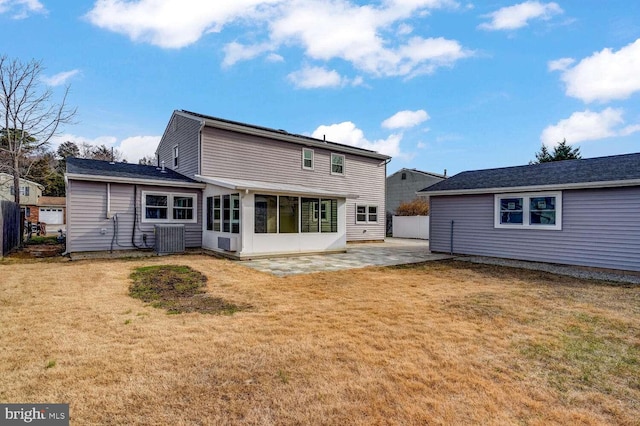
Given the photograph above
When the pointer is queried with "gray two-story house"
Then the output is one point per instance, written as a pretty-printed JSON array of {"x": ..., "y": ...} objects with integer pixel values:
[
  {"x": 271, "y": 192},
  {"x": 239, "y": 189}
]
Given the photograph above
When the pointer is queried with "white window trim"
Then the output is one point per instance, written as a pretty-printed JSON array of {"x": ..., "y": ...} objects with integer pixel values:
[
  {"x": 170, "y": 196},
  {"x": 176, "y": 155},
  {"x": 312, "y": 159},
  {"x": 344, "y": 165},
  {"x": 367, "y": 206},
  {"x": 526, "y": 196}
]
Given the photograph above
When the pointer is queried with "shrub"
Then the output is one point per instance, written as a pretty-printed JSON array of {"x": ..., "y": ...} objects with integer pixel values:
[{"x": 416, "y": 207}]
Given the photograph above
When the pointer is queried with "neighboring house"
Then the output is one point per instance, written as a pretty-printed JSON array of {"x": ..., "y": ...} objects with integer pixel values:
[
  {"x": 115, "y": 206},
  {"x": 403, "y": 185},
  {"x": 30, "y": 193},
  {"x": 239, "y": 189},
  {"x": 579, "y": 212},
  {"x": 271, "y": 192},
  {"x": 49, "y": 210}
]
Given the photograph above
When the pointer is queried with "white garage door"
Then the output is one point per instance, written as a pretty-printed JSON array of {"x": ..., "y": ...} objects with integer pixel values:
[{"x": 51, "y": 216}]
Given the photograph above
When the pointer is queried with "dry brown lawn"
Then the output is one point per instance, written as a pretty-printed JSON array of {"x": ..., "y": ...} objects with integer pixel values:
[{"x": 440, "y": 343}]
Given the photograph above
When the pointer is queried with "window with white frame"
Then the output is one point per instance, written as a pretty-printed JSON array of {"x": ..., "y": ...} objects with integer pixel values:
[
  {"x": 285, "y": 214},
  {"x": 169, "y": 207},
  {"x": 337, "y": 164},
  {"x": 175, "y": 156},
  {"x": 541, "y": 210},
  {"x": 366, "y": 213},
  {"x": 307, "y": 159}
]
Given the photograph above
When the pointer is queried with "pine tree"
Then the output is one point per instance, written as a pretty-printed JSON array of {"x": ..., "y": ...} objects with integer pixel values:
[{"x": 562, "y": 151}]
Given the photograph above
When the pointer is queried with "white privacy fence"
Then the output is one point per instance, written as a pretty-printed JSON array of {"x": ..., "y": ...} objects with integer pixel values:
[{"x": 411, "y": 227}]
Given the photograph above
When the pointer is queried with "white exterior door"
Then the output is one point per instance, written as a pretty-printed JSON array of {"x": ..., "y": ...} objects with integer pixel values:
[{"x": 51, "y": 216}]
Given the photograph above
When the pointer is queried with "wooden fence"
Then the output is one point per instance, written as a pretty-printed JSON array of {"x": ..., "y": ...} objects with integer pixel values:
[{"x": 9, "y": 226}]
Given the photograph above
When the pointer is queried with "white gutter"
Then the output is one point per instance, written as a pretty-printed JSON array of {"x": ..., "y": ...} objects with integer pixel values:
[
  {"x": 117, "y": 179},
  {"x": 556, "y": 187}
]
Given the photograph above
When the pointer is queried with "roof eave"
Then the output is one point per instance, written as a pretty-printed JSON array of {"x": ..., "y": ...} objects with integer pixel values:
[
  {"x": 531, "y": 188},
  {"x": 286, "y": 137},
  {"x": 252, "y": 188},
  {"x": 140, "y": 181}
]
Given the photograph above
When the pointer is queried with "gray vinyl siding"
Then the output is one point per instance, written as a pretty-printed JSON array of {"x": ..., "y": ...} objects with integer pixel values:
[
  {"x": 600, "y": 228},
  {"x": 87, "y": 216},
  {"x": 401, "y": 191},
  {"x": 228, "y": 154},
  {"x": 185, "y": 134}
]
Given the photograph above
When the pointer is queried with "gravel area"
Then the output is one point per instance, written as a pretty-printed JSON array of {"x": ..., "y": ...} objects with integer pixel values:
[{"x": 573, "y": 271}]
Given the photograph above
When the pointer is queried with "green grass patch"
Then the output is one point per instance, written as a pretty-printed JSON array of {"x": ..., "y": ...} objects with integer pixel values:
[
  {"x": 177, "y": 289},
  {"x": 590, "y": 353},
  {"x": 36, "y": 240}
]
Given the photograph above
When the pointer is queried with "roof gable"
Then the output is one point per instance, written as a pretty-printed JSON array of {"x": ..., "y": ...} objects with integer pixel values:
[{"x": 600, "y": 171}]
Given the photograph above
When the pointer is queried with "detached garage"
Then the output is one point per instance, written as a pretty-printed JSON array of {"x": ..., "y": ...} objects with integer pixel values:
[
  {"x": 51, "y": 210},
  {"x": 576, "y": 212}
]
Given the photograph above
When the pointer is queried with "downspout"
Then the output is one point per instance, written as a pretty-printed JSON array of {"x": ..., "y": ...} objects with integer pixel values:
[
  {"x": 451, "y": 239},
  {"x": 202, "y": 123}
]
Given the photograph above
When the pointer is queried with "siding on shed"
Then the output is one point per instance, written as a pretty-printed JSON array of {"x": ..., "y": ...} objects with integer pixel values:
[
  {"x": 87, "y": 216},
  {"x": 228, "y": 154},
  {"x": 183, "y": 132},
  {"x": 600, "y": 228}
]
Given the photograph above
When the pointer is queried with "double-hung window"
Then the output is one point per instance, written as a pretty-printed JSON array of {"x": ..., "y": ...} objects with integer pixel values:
[
  {"x": 231, "y": 213},
  {"x": 175, "y": 156},
  {"x": 337, "y": 164},
  {"x": 366, "y": 213},
  {"x": 307, "y": 159},
  {"x": 213, "y": 213},
  {"x": 529, "y": 210},
  {"x": 168, "y": 207}
]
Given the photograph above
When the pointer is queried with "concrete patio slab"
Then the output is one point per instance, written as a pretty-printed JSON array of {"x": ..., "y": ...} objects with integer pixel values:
[{"x": 394, "y": 251}]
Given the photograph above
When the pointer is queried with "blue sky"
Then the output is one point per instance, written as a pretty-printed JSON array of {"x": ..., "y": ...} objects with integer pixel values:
[{"x": 437, "y": 84}]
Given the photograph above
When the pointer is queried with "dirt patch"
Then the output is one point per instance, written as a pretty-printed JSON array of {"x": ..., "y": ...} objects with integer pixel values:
[{"x": 178, "y": 289}]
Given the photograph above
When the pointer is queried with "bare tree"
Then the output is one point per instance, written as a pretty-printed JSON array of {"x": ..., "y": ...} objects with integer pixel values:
[{"x": 29, "y": 116}]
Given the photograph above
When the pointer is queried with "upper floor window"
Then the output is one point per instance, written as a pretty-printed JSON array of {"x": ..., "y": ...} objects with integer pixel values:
[
  {"x": 337, "y": 164},
  {"x": 168, "y": 207},
  {"x": 175, "y": 156},
  {"x": 307, "y": 159},
  {"x": 404, "y": 176},
  {"x": 24, "y": 190},
  {"x": 533, "y": 211}
]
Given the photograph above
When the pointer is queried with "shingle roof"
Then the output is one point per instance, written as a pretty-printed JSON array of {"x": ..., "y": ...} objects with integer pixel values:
[
  {"x": 82, "y": 166},
  {"x": 568, "y": 173},
  {"x": 52, "y": 201}
]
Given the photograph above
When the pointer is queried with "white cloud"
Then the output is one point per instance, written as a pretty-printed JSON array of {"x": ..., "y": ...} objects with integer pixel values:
[
  {"x": 605, "y": 75},
  {"x": 21, "y": 8},
  {"x": 348, "y": 134},
  {"x": 60, "y": 78},
  {"x": 405, "y": 119},
  {"x": 171, "y": 23},
  {"x": 236, "y": 52},
  {"x": 132, "y": 148},
  {"x": 108, "y": 141},
  {"x": 519, "y": 15},
  {"x": 324, "y": 29},
  {"x": 316, "y": 77},
  {"x": 560, "y": 64},
  {"x": 137, "y": 147},
  {"x": 588, "y": 125}
]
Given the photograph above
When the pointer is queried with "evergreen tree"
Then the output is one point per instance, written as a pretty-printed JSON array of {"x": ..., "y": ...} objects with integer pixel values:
[{"x": 562, "y": 151}]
